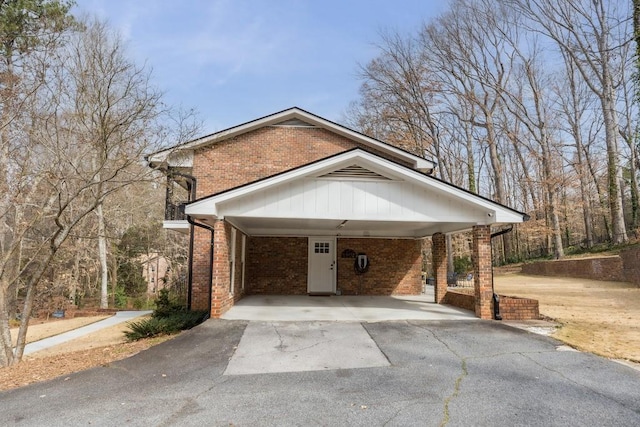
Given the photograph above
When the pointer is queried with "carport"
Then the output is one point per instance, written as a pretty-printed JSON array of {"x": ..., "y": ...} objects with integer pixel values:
[{"x": 294, "y": 232}]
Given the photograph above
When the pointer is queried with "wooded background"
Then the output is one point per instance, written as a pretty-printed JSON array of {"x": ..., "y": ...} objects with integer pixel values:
[{"x": 530, "y": 103}]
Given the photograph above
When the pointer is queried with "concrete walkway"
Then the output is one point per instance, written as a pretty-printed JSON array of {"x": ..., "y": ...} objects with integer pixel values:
[{"x": 119, "y": 317}]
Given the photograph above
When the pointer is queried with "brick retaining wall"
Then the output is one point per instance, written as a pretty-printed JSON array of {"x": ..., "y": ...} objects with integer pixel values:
[
  {"x": 460, "y": 300},
  {"x": 604, "y": 268},
  {"x": 631, "y": 264},
  {"x": 619, "y": 268},
  {"x": 511, "y": 308}
]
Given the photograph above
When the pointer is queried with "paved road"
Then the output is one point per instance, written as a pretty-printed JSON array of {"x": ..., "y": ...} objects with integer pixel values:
[
  {"x": 456, "y": 373},
  {"x": 119, "y": 317}
]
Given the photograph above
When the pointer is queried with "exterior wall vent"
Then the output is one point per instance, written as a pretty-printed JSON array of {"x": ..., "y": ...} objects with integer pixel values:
[{"x": 355, "y": 172}]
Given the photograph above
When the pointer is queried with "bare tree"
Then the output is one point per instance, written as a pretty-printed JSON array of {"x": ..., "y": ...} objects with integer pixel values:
[
  {"x": 88, "y": 127},
  {"x": 114, "y": 104},
  {"x": 590, "y": 31},
  {"x": 29, "y": 31}
]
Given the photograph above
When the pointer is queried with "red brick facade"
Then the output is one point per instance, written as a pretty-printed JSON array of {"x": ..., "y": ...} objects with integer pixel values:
[
  {"x": 277, "y": 265},
  {"x": 395, "y": 267},
  {"x": 201, "y": 274},
  {"x": 262, "y": 153}
]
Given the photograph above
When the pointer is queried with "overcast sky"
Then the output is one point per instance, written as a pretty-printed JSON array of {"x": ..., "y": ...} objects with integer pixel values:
[{"x": 236, "y": 61}]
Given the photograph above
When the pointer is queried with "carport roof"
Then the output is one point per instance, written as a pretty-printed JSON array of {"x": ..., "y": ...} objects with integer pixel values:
[{"x": 353, "y": 194}]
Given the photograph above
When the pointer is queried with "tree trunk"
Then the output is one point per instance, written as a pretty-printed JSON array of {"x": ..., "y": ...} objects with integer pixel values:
[
  {"x": 31, "y": 284},
  {"x": 6, "y": 355},
  {"x": 450, "y": 266},
  {"x": 618, "y": 228},
  {"x": 102, "y": 253},
  {"x": 584, "y": 193}
]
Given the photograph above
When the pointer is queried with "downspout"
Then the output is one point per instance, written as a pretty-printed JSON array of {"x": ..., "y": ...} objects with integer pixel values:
[
  {"x": 496, "y": 298},
  {"x": 210, "y": 278}
]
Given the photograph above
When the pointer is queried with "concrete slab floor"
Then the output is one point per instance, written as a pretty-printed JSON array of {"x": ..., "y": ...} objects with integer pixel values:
[
  {"x": 270, "y": 347},
  {"x": 342, "y": 308}
]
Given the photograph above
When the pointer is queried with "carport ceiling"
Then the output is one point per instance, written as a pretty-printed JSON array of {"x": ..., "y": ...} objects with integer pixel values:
[{"x": 345, "y": 228}]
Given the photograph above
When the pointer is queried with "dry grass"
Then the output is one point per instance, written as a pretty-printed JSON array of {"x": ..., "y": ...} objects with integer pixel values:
[{"x": 596, "y": 316}]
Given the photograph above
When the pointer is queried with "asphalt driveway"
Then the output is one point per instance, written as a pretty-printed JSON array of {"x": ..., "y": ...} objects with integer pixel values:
[{"x": 457, "y": 373}]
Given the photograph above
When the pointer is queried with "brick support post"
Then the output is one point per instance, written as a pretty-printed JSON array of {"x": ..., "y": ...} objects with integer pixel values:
[
  {"x": 440, "y": 266},
  {"x": 221, "y": 269},
  {"x": 200, "y": 269},
  {"x": 482, "y": 271}
]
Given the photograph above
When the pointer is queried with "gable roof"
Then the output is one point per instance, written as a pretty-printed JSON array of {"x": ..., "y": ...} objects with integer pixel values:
[
  {"x": 179, "y": 154},
  {"x": 382, "y": 198}
]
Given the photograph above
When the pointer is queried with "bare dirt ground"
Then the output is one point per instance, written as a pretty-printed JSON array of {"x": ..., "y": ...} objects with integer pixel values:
[
  {"x": 595, "y": 316},
  {"x": 96, "y": 349}
]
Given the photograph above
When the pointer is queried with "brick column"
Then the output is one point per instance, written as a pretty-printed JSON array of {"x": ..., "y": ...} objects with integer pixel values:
[
  {"x": 439, "y": 256},
  {"x": 482, "y": 271},
  {"x": 221, "y": 269},
  {"x": 200, "y": 269}
]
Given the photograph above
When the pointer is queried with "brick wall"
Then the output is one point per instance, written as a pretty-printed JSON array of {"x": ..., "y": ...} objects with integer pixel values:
[
  {"x": 395, "y": 267},
  {"x": 201, "y": 273},
  {"x": 460, "y": 300},
  {"x": 603, "y": 268},
  {"x": 631, "y": 265},
  {"x": 261, "y": 153},
  {"x": 512, "y": 308},
  {"x": 277, "y": 265}
]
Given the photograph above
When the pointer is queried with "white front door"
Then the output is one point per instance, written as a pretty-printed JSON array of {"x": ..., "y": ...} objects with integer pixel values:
[{"x": 322, "y": 265}]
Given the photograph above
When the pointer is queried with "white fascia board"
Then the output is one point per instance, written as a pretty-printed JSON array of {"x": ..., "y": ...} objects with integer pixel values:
[
  {"x": 175, "y": 158},
  {"x": 181, "y": 226}
]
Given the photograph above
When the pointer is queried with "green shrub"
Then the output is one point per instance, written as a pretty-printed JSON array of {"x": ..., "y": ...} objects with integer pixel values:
[
  {"x": 166, "y": 305},
  {"x": 138, "y": 303},
  {"x": 169, "y": 317},
  {"x": 120, "y": 298},
  {"x": 155, "y": 326},
  {"x": 462, "y": 264}
]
